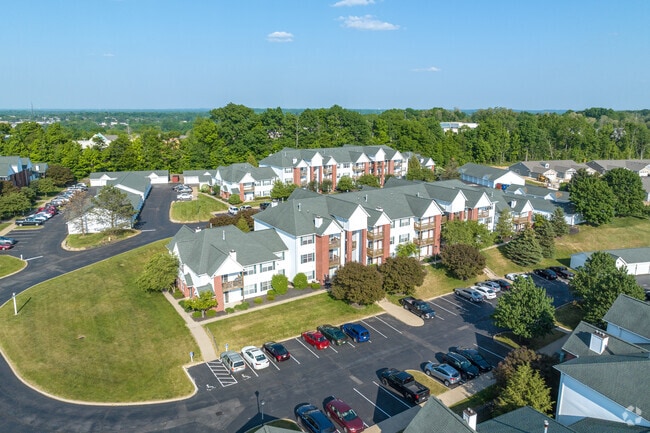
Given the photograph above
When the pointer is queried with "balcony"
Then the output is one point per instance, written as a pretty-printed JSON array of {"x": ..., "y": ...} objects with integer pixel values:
[
  {"x": 327, "y": 169},
  {"x": 421, "y": 242},
  {"x": 375, "y": 236},
  {"x": 237, "y": 283},
  {"x": 424, "y": 225},
  {"x": 334, "y": 261},
  {"x": 249, "y": 187},
  {"x": 483, "y": 213},
  {"x": 358, "y": 169},
  {"x": 444, "y": 218},
  {"x": 335, "y": 243},
  {"x": 374, "y": 252},
  {"x": 520, "y": 220}
]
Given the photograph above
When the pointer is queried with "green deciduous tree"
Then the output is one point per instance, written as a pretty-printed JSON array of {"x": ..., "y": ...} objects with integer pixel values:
[
  {"x": 463, "y": 261},
  {"x": 358, "y": 284},
  {"x": 14, "y": 203},
  {"x": 466, "y": 232},
  {"x": 345, "y": 183},
  {"x": 628, "y": 191},
  {"x": 281, "y": 190},
  {"x": 44, "y": 186},
  {"x": 526, "y": 310},
  {"x": 526, "y": 387},
  {"x": 524, "y": 249},
  {"x": 114, "y": 207},
  {"x": 204, "y": 302},
  {"x": 504, "y": 228},
  {"x": 545, "y": 235},
  {"x": 599, "y": 282},
  {"x": 402, "y": 275},
  {"x": 560, "y": 226},
  {"x": 59, "y": 174},
  {"x": 592, "y": 197},
  {"x": 159, "y": 273},
  {"x": 408, "y": 249},
  {"x": 300, "y": 281},
  {"x": 368, "y": 180}
]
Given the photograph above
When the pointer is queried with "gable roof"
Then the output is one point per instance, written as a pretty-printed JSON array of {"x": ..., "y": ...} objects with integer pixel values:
[
  {"x": 482, "y": 171},
  {"x": 525, "y": 419},
  {"x": 595, "y": 425},
  {"x": 631, "y": 314},
  {"x": 628, "y": 255},
  {"x": 435, "y": 417},
  {"x": 578, "y": 343},
  {"x": 234, "y": 173}
]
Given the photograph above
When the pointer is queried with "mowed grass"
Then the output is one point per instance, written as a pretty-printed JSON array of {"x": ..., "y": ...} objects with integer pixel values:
[
  {"x": 285, "y": 321},
  {"x": 202, "y": 208},
  {"x": 91, "y": 335},
  {"x": 10, "y": 264},
  {"x": 92, "y": 240}
]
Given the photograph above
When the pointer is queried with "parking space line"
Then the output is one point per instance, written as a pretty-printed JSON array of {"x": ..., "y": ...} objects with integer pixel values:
[
  {"x": 305, "y": 346},
  {"x": 443, "y": 308},
  {"x": 293, "y": 357},
  {"x": 274, "y": 363},
  {"x": 453, "y": 303},
  {"x": 374, "y": 329},
  {"x": 221, "y": 373},
  {"x": 391, "y": 394},
  {"x": 473, "y": 304},
  {"x": 390, "y": 326},
  {"x": 251, "y": 367},
  {"x": 351, "y": 344},
  {"x": 331, "y": 347},
  {"x": 370, "y": 401},
  {"x": 489, "y": 351}
]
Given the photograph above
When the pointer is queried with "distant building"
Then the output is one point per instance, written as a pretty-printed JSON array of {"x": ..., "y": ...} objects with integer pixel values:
[
  {"x": 99, "y": 139},
  {"x": 16, "y": 169},
  {"x": 489, "y": 176},
  {"x": 456, "y": 126},
  {"x": 636, "y": 260}
]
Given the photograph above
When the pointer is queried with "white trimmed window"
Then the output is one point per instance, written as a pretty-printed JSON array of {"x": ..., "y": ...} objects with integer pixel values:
[
  {"x": 250, "y": 290},
  {"x": 307, "y": 240},
  {"x": 306, "y": 258},
  {"x": 249, "y": 270},
  {"x": 265, "y": 285},
  {"x": 266, "y": 267},
  {"x": 403, "y": 238}
]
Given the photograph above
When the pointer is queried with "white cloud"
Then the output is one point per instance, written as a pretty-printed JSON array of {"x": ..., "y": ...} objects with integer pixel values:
[
  {"x": 353, "y": 3},
  {"x": 279, "y": 37},
  {"x": 367, "y": 22},
  {"x": 429, "y": 69}
]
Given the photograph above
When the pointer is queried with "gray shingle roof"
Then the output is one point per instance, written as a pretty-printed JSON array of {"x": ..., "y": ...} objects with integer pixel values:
[
  {"x": 481, "y": 171},
  {"x": 628, "y": 255},
  {"x": 525, "y": 419},
  {"x": 631, "y": 314},
  {"x": 578, "y": 343},
  {"x": 435, "y": 417},
  {"x": 236, "y": 172},
  {"x": 593, "y": 425}
]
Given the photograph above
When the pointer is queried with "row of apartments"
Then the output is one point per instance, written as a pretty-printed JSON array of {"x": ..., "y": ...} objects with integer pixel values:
[
  {"x": 316, "y": 234},
  {"x": 20, "y": 171},
  {"x": 302, "y": 166}
]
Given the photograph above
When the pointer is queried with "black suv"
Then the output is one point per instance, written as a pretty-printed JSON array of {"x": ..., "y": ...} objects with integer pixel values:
[
  {"x": 546, "y": 273},
  {"x": 474, "y": 357},
  {"x": 562, "y": 272},
  {"x": 466, "y": 369}
]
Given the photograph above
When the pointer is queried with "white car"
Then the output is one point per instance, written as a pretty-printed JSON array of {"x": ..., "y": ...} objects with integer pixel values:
[
  {"x": 490, "y": 284},
  {"x": 485, "y": 291},
  {"x": 184, "y": 196},
  {"x": 39, "y": 217},
  {"x": 255, "y": 357},
  {"x": 513, "y": 276}
]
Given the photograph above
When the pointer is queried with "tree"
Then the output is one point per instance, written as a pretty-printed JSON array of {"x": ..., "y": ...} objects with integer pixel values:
[
  {"x": 515, "y": 358},
  {"x": 599, "y": 282},
  {"x": 592, "y": 197},
  {"x": 159, "y": 273},
  {"x": 526, "y": 387},
  {"x": 402, "y": 275},
  {"x": 545, "y": 235},
  {"x": 504, "y": 228},
  {"x": 14, "y": 203},
  {"x": 408, "y": 249},
  {"x": 368, "y": 180},
  {"x": 280, "y": 283},
  {"x": 463, "y": 261},
  {"x": 345, "y": 183},
  {"x": 466, "y": 232},
  {"x": 524, "y": 249},
  {"x": 76, "y": 209},
  {"x": 234, "y": 199},
  {"x": 358, "y": 284},
  {"x": 560, "y": 226},
  {"x": 113, "y": 207},
  {"x": 628, "y": 191},
  {"x": 526, "y": 310},
  {"x": 242, "y": 225},
  {"x": 281, "y": 190},
  {"x": 204, "y": 302},
  {"x": 326, "y": 186},
  {"x": 60, "y": 175},
  {"x": 44, "y": 186},
  {"x": 300, "y": 281}
]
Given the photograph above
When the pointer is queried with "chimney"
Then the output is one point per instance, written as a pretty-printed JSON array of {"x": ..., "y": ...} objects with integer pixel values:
[
  {"x": 598, "y": 342},
  {"x": 299, "y": 206},
  {"x": 469, "y": 416},
  {"x": 513, "y": 203},
  {"x": 379, "y": 209},
  {"x": 545, "y": 426},
  {"x": 223, "y": 235},
  {"x": 318, "y": 221},
  {"x": 365, "y": 197},
  {"x": 233, "y": 255}
]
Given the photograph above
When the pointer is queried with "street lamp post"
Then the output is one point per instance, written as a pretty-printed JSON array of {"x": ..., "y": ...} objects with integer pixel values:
[
  {"x": 262, "y": 402},
  {"x": 15, "y": 308}
]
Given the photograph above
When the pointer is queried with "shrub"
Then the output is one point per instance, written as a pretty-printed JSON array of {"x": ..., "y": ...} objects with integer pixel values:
[
  {"x": 178, "y": 294},
  {"x": 196, "y": 314},
  {"x": 243, "y": 306},
  {"x": 210, "y": 313},
  {"x": 315, "y": 286},
  {"x": 234, "y": 199},
  {"x": 300, "y": 281},
  {"x": 183, "y": 304},
  {"x": 271, "y": 292},
  {"x": 270, "y": 297},
  {"x": 280, "y": 284},
  {"x": 205, "y": 188},
  {"x": 258, "y": 301},
  {"x": 230, "y": 310}
]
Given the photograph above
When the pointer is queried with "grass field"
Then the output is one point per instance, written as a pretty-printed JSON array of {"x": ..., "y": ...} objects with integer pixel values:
[
  {"x": 93, "y": 240},
  {"x": 9, "y": 265},
  {"x": 202, "y": 208},
  {"x": 91, "y": 335}
]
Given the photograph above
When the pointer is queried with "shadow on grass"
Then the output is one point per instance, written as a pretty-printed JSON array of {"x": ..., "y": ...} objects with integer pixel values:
[{"x": 24, "y": 304}]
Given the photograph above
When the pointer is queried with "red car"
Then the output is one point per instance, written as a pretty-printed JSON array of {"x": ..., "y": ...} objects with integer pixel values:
[
  {"x": 342, "y": 414},
  {"x": 6, "y": 246},
  {"x": 316, "y": 339}
]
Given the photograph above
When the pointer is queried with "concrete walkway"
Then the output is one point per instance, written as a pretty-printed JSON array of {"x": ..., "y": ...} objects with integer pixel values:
[{"x": 203, "y": 340}]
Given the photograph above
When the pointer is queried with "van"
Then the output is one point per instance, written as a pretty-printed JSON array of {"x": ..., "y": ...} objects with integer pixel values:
[
  {"x": 233, "y": 361},
  {"x": 233, "y": 210}
]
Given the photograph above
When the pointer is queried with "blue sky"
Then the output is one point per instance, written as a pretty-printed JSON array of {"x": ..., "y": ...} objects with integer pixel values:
[{"x": 375, "y": 54}]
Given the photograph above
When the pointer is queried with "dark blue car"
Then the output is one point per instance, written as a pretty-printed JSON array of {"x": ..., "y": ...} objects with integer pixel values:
[
  {"x": 356, "y": 332},
  {"x": 313, "y": 420}
]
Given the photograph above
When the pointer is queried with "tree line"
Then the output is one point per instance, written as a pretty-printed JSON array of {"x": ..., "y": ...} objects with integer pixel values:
[{"x": 236, "y": 133}]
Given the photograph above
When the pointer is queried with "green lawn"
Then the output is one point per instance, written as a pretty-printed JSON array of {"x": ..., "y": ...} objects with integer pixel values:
[
  {"x": 202, "y": 208},
  {"x": 569, "y": 315},
  {"x": 93, "y": 240},
  {"x": 91, "y": 335},
  {"x": 9, "y": 265},
  {"x": 284, "y": 321}
]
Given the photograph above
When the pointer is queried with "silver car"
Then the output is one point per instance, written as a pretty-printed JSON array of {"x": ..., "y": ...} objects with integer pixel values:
[
  {"x": 443, "y": 372},
  {"x": 233, "y": 361},
  {"x": 490, "y": 285},
  {"x": 469, "y": 294}
]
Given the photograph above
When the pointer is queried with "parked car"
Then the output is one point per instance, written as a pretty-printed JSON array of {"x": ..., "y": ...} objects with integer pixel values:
[
  {"x": 277, "y": 351},
  {"x": 473, "y": 356},
  {"x": 184, "y": 188},
  {"x": 418, "y": 307},
  {"x": 6, "y": 240},
  {"x": 466, "y": 369},
  {"x": 356, "y": 332},
  {"x": 316, "y": 339},
  {"x": 245, "y": 207},
  {"x": 333, "y": 334},
  {"x": 487, "y": 292},
  {"x": 405, "y": 384},
  {"x": 39, "y": 217},
  {"x": 503, "y": 284},
  {"x": 342, "y": 414},
  {"x": 44, "y": 214},
  {"x": 6, "y": 246},
  {"x": 28, "y": 221},
  {"x": 184, "y": 196},
  {"x": 514, "y": 275},
  {"x": 443, "y": 372},
  {"x": 233, "y": 210},
  {"x": 233, "y": 361},
  {"x": 264, "y": 205},
  {"x": 255, "y": 357},
  {"x": 562, "y": 272},
  {"x": 313, "y": 420},
  {"x": 490, "y": 285},
  {"x": 469, "y": 294},
  {"x": 546, "y": 273}
]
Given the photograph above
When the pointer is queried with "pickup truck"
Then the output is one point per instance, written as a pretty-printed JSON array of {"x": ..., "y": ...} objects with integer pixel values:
[
  {"x": 405, "y": 384},
  {"x": 418, "y": 307}
]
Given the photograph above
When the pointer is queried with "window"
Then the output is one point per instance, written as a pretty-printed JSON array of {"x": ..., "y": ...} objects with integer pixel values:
[
  {"x": 392, "y": 240},
  {"x": 266, "y": 267},
  {"x": 265, "y": 285},
  {"x": 403, "y": 238},
  {"x": 310, "y": 276},
  {"x": 346, "y": 165},
  {"x": 392, "y": 224},
  {"x": 307, "y": 240},
  {"x": 306, "y": 258},
  {"x": 250, "y": 290},
  {"x": 249, "y": 270},
  {"x": 288, "y": 170},
  {"x": 404, "y": 222}
]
